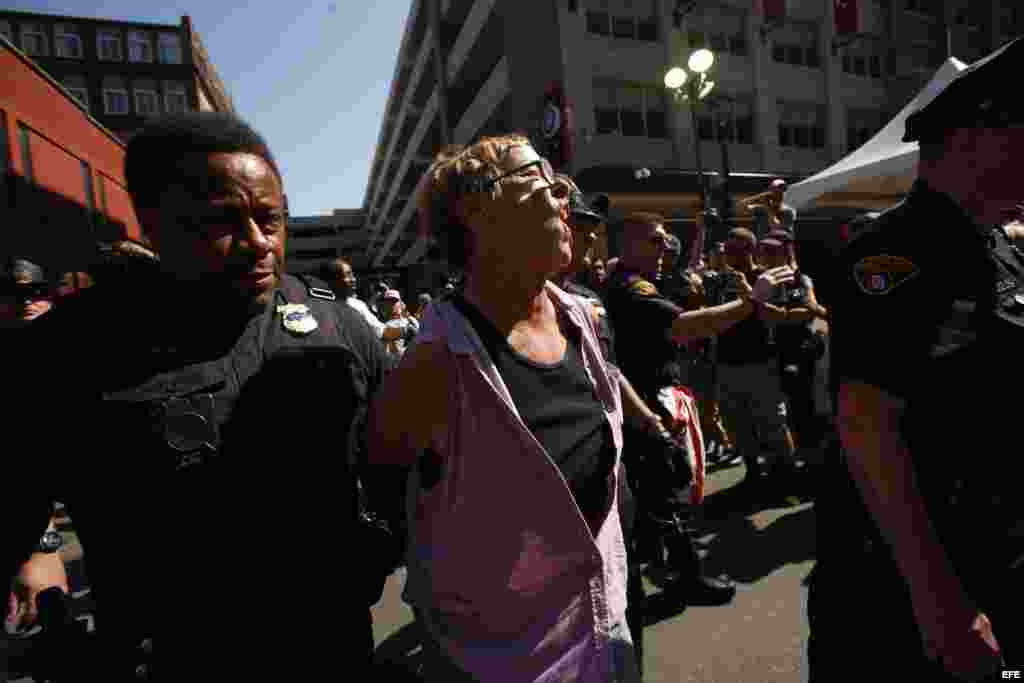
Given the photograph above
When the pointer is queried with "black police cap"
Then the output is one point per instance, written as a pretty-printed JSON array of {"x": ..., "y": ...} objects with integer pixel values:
[
  {"x": 596, "y": 209},
  {"x": 981, "y": 96}
]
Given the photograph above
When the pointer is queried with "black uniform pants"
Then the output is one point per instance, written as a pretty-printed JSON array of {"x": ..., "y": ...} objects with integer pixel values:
[
  {"x": 798, "y": 386},
  {"x": 862, "y": 624}
]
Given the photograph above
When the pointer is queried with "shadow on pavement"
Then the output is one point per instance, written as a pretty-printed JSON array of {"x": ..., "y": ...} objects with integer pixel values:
[{"x": 747, "y": 553}]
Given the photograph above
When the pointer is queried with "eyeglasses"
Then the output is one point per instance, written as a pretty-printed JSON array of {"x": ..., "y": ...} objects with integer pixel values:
[{"x": 542, "y": 165}]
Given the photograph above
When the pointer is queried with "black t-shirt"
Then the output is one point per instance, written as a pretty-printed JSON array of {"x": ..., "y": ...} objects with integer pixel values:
[
  {"x": 642, "y": 318},
  {"x": 558, "y": 405},
  {"x": 748, "y": 341},
  {"x": 912, "y": 315}
]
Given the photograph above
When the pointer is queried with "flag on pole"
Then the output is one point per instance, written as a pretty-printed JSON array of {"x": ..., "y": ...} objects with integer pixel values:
[{"x": 847, "y": 17}]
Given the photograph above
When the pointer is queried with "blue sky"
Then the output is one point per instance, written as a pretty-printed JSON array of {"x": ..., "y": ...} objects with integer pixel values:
[{"x": 312, "y": 77}]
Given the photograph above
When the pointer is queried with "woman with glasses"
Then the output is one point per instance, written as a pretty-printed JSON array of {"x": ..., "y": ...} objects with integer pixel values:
[{"x": 516, "y": 561}]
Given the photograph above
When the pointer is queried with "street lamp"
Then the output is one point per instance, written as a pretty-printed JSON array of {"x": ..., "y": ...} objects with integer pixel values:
[{"x": 693, "y": 90}]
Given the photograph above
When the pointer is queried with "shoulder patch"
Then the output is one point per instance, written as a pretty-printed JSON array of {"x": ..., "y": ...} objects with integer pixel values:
[
  {"x": 883, "y": 273},
  {"x": 642, "y": 287}
]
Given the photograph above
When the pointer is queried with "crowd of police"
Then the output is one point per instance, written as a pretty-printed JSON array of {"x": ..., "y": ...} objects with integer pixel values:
[{"x": 246, "y": 454}]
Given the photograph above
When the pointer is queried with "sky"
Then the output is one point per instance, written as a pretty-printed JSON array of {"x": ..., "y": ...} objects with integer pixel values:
[{"x": 312, "y": 76}]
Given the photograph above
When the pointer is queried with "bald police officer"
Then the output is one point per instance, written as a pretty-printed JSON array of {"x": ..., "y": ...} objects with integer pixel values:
[{"x": 920, "y": 561}]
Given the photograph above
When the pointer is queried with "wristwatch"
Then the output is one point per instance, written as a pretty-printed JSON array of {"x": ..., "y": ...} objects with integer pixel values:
[{"x": 50, "y": 542}]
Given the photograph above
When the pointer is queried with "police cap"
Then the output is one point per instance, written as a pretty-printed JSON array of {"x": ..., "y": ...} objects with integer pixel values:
[
  {"x": 24, "y": 272},
  {"x": 981, "y": 96}
]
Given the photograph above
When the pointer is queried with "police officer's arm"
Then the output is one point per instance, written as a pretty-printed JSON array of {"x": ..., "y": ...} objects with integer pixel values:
[
  {"x": 880, "y": 346},
  {"x": 413, "y": 400},
  {"x": 635, "y": 409}
]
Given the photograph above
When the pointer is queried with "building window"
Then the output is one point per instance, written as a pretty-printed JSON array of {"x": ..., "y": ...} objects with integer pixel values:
[
  {"x": 115, "y": 96},
  {"x": 731, "y": 122},
  {"x": 25, "y": 140},
  {"x": 76, "y": 85},
  {"x": 147, "y": 102},
  {"x": 175, "y": 98},
  {"x": 140, "y": 47},
  {"x": 628, "y": 19},
  {"x": 718, "y": 29},
  {"x": 861, "y": 125},
  {"x": 170, "y": 48},
  {"x": 632, "y": 111},
  {"x": 1011, "y": 18},
  {"x": 5, "y": 30},
  {"x": 33, "y": 40},
  {"x": 797, "y": 44},
  {"x": 921, "y": 56},
  {"x": 90, "y": 197},
  {"x": 931, "y": 8},
  {"x": 66, "y": 41},
  {"x": 801, "y": 125},
  {"x": 863, "y": 58},
  {"x": 108, "y": 45}
]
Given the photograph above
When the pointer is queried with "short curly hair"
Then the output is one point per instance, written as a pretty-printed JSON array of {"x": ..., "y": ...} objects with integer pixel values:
[{"x": 447, "y": 181}]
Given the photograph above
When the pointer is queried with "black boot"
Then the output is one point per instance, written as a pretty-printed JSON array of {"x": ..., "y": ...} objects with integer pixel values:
[{"x": 692, "y": 584}]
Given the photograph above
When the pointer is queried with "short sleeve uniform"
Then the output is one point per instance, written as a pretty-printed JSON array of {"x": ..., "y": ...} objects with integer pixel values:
[{"x": 642, "y": 318}]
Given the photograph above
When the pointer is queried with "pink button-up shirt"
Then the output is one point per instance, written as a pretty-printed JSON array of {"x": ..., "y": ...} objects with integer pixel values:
[{"x": 502, "y": 566}]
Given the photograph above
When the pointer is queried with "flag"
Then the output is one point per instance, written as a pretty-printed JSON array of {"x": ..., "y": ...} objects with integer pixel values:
[
  {"x": 847, "y": 17},
  {"x": 771, "y": 10}
]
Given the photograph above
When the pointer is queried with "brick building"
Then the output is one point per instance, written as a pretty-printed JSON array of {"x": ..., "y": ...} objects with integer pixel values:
[{"x": 121, "y": 71}]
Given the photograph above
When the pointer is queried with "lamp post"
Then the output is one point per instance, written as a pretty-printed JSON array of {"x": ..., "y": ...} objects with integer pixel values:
[{"x": 692, "y": 88}]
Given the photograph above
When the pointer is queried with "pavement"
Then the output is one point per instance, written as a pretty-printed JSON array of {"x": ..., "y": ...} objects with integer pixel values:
[{"x": 758, "y": 638}]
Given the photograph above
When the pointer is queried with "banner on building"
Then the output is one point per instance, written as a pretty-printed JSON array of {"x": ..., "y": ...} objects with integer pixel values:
[
  {"x": 558, "y": 127},
  {"x": 772, "y": 11},
  {"x": 847, "y": 17}
]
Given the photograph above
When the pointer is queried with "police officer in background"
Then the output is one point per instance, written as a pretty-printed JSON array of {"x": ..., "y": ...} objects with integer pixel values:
[
  {"x": 213, "y": 434},
  {"x": 920, "y": 563},
  {"x": 649, "y": 329},
  {"x": 25, "y": 294}
]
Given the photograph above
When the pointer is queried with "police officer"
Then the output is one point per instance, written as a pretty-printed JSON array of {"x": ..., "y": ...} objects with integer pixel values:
[
  {"x": 920, "y": 560},
  {"x": 649, "y": 327},
  {"x": 25, "y": 294},
  {"x": 211, "y": 429}
]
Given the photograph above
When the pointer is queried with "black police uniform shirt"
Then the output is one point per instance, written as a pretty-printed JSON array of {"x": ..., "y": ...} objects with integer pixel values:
[
  {"x": 917, "y": 315},
  {"x": 165, "y": 536},
  {"x": 605, "y": 332},
  {"x": 748, "y": 341},
  {"x": 642, "y": 318}
]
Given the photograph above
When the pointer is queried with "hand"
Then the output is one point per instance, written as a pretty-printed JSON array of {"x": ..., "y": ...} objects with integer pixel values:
[
  {"x": 739, "y": 281},
  {"x": 41, "y": 571},
  {"x": 766, "y": 284},
  {"x": 653, "y": 425},
  {"x": 969, "y": 652}
]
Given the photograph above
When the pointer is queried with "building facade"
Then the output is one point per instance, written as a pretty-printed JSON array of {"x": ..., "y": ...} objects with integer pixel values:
[
  {"x": 791, "y": 96},
  {"x": 120, "y": 71},
  {"x": 315, "y": 240}
]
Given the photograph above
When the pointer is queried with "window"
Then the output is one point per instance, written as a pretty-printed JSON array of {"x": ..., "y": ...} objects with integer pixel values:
[
  {"x": 108, "y": 45},
  {"x": 25, "y": 140},
  {"x": 66, "y": 41},
  {"x": 33, "y": 40},
  {"x": 90, "y": 197},
  {"x": 76, "y": 85},
  {"x": 170, "y": 48},
  {"x": 1011, "y": 18},
  {"x": 861, "y": 125},
  {"x": 5, "y": 159},
  {"x": 632, "y": 111},
  {"x": 921, "y": 56},
  {"x": 115, "y": 96},
  {"x": 728, "y": 121},
  {"x": 719, "y": 30},
  {"x": 863, "y": 58},
  {"x": 797, "y": 44},
  {"x": 930, "y": 7},
  {"x": 626, "y": 19},
  {"x": 140, "y": 47},
  {"x": 5, "y": 30},
  {"x": 801, "y": 125},
  {"x": 147, "y": 102},
  {"x": 175, "y": 98}
]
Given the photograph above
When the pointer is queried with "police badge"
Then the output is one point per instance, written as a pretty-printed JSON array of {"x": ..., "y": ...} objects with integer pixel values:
[{"x": 297, "y": 318}]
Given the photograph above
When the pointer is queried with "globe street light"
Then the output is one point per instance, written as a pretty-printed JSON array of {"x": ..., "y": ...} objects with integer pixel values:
[{"x": 693, "y": 90}]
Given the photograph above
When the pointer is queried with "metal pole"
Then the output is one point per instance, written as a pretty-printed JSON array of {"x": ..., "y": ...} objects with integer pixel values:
[
  {"x": 726, "y": 197},
  {"x": 694, "y": 92}
]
